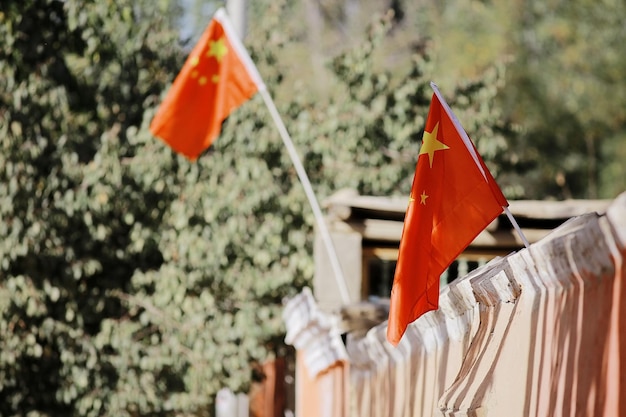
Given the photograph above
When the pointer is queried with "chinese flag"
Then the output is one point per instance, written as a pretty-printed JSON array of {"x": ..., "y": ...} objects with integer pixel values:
[
  {"x": 217, "y": 77},
  {"x": 453, "y": 198}
]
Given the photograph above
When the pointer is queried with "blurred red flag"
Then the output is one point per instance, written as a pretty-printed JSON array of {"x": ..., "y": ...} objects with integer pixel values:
[
  {"x": 217, "y": 77},
  {"x": 453, "y": 198}
]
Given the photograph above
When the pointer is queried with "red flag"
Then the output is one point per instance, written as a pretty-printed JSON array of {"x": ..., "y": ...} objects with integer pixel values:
[
  {"x": 453, "y": 198},
  {"x": 217, "y": 77}
]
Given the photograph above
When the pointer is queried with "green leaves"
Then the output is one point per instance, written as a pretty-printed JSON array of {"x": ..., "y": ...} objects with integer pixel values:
[{"x": 560, "y": 89}]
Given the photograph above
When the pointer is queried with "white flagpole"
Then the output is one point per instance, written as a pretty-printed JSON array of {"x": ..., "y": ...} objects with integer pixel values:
[
  {"x": 516, "y": 226},
  {"x": 304, "y": 179},
  {"x": 472, "y": 151},
  {"x": 222, "y": 16}
]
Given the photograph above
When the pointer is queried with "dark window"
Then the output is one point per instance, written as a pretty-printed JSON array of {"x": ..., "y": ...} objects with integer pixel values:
[{"x": 379, "y": 265}]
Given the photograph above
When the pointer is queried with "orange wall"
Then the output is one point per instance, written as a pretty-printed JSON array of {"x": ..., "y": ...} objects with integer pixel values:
[{"x": 323, "y": 395}]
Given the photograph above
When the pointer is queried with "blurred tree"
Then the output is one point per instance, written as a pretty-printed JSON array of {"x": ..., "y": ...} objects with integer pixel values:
[
  {"x": 75, "y": 77},
  {"x": 563, "y": 72},
  {"x": 561, "y": 90}
]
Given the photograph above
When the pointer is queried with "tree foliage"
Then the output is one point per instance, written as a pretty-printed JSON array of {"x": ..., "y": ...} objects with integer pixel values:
[
  {"x": 562, "y": 90},
  {"x": 563, "y": 75},
  {"x": 76, "y": 77}
]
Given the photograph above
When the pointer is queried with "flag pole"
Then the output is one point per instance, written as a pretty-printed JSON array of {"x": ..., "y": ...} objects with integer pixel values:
[
  {"x": 472, "y": 151},
  {"x": 516, "y": 226},
  {"x": 308, "y": 189},
  {"x": 304, "y": 179}
]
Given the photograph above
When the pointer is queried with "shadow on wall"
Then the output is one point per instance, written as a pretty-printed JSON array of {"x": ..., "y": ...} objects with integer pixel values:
[{"x": 539, "y": 332}]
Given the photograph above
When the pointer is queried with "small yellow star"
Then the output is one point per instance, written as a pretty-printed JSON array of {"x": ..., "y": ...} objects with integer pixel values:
[
  {"x": 430, "y": 144},
  {"x": 423, "y": 198},
  {"x": 217, "y": 49},
  {"x": 215, "y": 79},
  {"x": 194, "y": 61},
  {"x": 202, "y": 80}
]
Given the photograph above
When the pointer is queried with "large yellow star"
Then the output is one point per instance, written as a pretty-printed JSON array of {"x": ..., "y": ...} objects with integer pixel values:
[
  {"x": 423, "y": 198},
  {"x": 430, "y": 144},
  {"x": 217, "y": 49}
]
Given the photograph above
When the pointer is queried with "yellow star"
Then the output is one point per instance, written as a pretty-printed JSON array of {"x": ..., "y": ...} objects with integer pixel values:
[
  {"x": 430, "y": 144},
  {"x": 217, "y": 49},
  {"x": 423, "y": 197}
]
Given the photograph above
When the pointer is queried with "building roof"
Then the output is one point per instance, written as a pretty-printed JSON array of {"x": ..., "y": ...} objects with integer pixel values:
[{"x": 381, "y": 218}]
